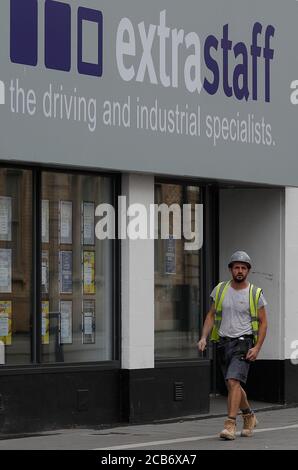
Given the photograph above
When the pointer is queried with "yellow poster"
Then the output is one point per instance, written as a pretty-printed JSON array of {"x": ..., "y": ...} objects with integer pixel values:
[
  {"x": 5, "y": 321},
  {"x": 45, "y": 322},
  {"x": 89, "y": 272}
]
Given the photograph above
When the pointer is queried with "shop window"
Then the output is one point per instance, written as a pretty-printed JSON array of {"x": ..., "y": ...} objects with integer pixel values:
[
  {"x": 177, "y": 283},
  {"x": 15, "y": 265},
  {"x": 76, "y": 270}
]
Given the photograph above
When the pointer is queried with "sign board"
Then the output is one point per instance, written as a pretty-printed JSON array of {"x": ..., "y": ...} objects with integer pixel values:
[{"x": 187, "y": 88}]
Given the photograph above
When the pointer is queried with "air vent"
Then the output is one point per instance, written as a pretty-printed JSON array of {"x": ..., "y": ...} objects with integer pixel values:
[{"x": 178, "y": 391}]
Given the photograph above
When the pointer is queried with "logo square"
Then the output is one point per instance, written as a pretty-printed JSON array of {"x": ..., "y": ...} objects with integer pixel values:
[
  {"x": 95, "y": 16},
  {"x": 23, "y": 31},
  {"x": 57, "y": 36}
]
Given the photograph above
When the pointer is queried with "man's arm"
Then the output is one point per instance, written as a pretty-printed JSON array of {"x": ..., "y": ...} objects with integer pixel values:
[
  {"x": 253, "y": 352},
  {"x": 208, "y": 325}
]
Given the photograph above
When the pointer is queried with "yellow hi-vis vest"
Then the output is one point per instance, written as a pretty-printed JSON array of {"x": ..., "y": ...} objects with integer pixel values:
[{"x": 254, "y": 296}]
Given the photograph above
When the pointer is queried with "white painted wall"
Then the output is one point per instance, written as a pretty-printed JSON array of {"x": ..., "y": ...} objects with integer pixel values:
[
  {"x": 137, "y": 274},
  {"x": 253, "y": 220},
  {"x": 291, "y": 265}
]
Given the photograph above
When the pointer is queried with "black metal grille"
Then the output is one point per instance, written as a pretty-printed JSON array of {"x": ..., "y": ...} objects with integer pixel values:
[{"x": 178, "y": 391}]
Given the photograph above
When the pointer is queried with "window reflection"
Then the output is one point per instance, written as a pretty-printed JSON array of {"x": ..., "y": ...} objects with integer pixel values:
[
  {"x": 177, "y": 281},
  {"x": 76, "y": 270},
  {"x": 15, "y": 264}
]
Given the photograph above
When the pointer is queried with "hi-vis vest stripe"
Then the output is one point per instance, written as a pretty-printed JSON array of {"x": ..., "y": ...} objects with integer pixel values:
[{"x": 254, "y": 296}]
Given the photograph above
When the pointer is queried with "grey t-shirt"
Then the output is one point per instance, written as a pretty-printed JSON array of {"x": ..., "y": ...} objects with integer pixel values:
[{"x": 235, "y": 312}]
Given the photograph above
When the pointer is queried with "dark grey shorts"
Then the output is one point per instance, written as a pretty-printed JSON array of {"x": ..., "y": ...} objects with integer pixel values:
[{"x": 230, "y": 354}]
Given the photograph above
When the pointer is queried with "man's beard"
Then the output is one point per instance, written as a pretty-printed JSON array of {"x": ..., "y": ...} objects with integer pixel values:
[{"x": 239, "y": 280}]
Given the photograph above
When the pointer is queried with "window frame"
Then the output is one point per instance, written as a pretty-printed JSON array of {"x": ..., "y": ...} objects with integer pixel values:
[
  {"x": 36, "y": 363},
  {"x": 207, "y": 257}
]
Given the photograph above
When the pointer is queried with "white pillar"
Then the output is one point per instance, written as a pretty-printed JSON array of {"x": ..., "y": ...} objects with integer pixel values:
[{"x": 137, "y": 286}]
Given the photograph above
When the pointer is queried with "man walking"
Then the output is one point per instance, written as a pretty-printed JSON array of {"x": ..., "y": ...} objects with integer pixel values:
[{"x": 238, "y": 321}]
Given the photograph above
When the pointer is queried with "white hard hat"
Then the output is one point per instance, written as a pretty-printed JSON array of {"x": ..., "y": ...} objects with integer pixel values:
[{"x": 240, "y": 257}]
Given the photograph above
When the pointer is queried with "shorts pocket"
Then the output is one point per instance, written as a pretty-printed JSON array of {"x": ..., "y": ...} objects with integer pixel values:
[{"x": 242, "y": 347}]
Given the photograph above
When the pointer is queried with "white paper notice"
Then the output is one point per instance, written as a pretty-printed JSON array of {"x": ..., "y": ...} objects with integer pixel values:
[
  {"x": 88, "y": 223},
  {"x": 4, "y": 325},
  {"x": 88, "y": 333},
  {"x": 66, "y": 321},
  {"x": 45, "y": 272},
  {"x": 45, "y": 221},
  {"x": 65, "y": 222},
  {"x": 43, "y": 324},
  {"x": 5, "y": 270},
  {"x": 5, "y": 218},
  {"x": 88, "y": 321}
]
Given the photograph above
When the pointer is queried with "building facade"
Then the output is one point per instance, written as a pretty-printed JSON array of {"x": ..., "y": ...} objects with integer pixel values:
[{"x": 103, "y": 102}]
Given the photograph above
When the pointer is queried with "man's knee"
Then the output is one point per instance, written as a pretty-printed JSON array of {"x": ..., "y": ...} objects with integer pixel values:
[{"x": 233, "y": 384}]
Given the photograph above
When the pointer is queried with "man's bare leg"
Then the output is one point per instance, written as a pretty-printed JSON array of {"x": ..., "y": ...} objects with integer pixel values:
[
  {"x": 234, "y": 400},
  {"x": 244, "y": 404},
  {"x": 229, "y": 396},
  {"x": 234, "y": 397}
]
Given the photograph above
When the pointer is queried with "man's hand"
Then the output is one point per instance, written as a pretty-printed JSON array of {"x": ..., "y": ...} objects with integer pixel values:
[
  {"x": 252, "y": 354},
  {"x": 202, "y": 344}
]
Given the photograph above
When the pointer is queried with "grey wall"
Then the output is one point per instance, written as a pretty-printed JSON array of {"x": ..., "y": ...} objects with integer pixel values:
[
  {"x": 253, "y": 220},
  {"x": 291, "y": 260}
]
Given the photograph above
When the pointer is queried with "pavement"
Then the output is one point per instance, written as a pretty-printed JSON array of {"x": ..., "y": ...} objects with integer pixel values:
[{"x": 277, "y": 429}]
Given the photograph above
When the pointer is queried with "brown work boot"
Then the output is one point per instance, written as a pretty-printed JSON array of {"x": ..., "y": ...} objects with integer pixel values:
[
  {"x": 249, "y": 423},
  {"x": 229, "y": 430}
]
